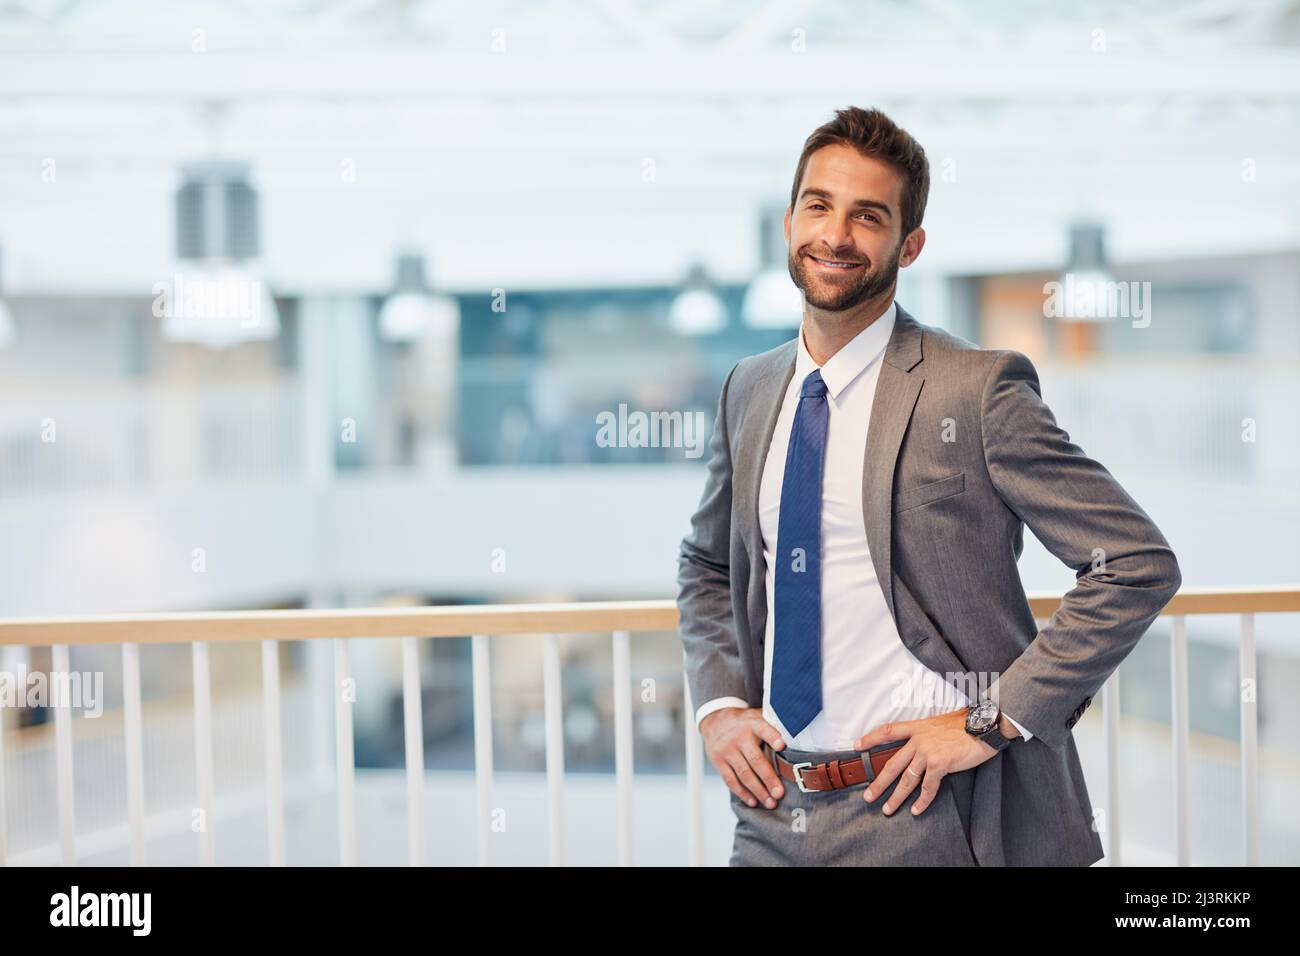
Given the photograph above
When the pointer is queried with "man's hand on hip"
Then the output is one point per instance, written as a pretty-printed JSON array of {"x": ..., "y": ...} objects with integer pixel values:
[
  {"x": 733, "y": 740},
  {"x": 936, "y": 747}
]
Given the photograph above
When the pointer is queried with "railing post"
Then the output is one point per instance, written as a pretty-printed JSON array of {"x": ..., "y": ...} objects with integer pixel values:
[
  {"x": 14, "y": 661},
  {"x": 319, "y": 678},
  {"x": 482, "y": 677},
  {"x": 694, "y": 777},
  {"x": 63, "y": 754},
  {"x": 623, "y": 744},
  {"x": 133, "y": 734},
  {"x": 203, "y": 748},
  {"x": 344, "y": 754},
  {"x": 4, "y": 668},
  {"x": 272, "y": 750},
  {"x": 413, "y": 716},
  {"x": 1248, "y": 692},
  {"x": 553, "y": 703},
  {"x": 1182, "y": 801},
  {"x": 1110, "y": 721}
]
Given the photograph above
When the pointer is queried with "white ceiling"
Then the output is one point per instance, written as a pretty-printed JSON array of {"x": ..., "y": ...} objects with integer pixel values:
[{"x": 524, "y": 164}]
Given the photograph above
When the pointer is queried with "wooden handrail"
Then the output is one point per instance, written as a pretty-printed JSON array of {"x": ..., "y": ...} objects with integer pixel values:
[{"x": 460, "y": 621}]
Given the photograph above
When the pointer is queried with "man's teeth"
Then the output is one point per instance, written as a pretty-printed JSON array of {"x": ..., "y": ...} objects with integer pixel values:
[{"x": 835, "y": 265}]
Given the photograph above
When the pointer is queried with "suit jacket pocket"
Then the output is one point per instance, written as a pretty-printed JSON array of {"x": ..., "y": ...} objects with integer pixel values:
[{"x": 910, "y": 498}]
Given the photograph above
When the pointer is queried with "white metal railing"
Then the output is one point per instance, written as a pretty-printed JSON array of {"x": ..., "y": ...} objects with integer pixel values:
[
  {"x": 619, "y": 619},
  {"x": 172, "y": 769}
]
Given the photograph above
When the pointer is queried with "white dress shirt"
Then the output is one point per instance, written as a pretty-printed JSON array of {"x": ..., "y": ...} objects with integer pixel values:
[{"x": 869, "y": 677}]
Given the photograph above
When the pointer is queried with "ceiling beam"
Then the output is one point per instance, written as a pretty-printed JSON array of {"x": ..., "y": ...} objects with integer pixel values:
[{"x": 401, "y": 76}]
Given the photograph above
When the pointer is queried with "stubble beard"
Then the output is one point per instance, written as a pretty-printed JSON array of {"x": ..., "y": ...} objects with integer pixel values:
[{"x": 839, "y": 297}]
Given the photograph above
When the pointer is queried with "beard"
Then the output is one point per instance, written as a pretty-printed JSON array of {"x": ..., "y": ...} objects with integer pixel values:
[{"x": 835, "y": 296}]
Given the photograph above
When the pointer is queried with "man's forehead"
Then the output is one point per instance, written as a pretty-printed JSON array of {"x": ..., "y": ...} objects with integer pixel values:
[{"x": 850, "y": 176}]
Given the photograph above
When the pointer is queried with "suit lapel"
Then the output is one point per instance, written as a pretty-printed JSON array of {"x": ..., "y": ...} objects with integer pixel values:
[
  {"x": 760, "y": 425},
  {"x": 751, "y": 449},
  {"x": 897, "y": 390}
]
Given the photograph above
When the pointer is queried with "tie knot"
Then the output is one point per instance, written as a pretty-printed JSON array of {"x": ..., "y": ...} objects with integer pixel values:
[{"x": 813, "y": 386}]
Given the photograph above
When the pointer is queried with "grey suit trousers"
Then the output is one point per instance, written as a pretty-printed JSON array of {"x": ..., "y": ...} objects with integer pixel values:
[{"x": 839, "y": 828}]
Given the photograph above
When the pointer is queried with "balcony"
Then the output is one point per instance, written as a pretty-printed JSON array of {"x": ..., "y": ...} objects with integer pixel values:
[{"x": 196, "y": 789}]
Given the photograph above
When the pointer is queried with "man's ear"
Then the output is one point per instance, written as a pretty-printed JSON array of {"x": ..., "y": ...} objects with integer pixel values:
[
  {"x": 787, "y": 225},
  {"x": 912, "y": 247}
]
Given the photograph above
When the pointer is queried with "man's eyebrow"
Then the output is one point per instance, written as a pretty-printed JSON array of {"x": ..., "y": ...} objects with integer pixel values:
[{"x": 860, "y": 204}]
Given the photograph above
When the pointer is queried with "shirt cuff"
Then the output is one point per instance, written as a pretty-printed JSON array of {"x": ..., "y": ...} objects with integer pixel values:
[
  {"x": 717, "y": 704},
  {"x": 1023, "y": 733}
]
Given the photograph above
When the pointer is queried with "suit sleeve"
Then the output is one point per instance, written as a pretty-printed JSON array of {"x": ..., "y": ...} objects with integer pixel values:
[
  {"x": 707, "y": 624},
  {"x": 1125, "y": 570}
]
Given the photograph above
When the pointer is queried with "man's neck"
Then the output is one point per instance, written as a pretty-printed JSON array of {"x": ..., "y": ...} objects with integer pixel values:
[{"x": 825, "y": 333}]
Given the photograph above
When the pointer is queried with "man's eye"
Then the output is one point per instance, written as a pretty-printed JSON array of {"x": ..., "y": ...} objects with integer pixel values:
[
  {"x": 816, "y": 205},
  {"x": 871, "y": 217}
]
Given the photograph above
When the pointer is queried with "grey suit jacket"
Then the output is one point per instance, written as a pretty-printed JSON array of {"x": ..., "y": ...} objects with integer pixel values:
[{"x": 962, "y": 453}]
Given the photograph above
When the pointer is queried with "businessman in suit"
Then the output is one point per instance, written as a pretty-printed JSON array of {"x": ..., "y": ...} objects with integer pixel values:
[{"x": 869, "y": 484}]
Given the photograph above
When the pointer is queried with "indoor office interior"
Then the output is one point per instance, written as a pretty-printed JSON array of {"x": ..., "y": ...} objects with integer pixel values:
[{"x": 458, "y": 253}]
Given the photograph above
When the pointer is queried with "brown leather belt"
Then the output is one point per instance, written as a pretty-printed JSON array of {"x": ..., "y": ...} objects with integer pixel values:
[{"x": 833, "y": 774}]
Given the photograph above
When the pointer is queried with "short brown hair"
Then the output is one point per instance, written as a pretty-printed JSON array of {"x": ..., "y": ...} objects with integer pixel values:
[{"x": 872, "y": 133}]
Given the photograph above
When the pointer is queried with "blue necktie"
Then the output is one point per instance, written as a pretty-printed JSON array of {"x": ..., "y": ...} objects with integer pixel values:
[{"x": 797, "y": 656}]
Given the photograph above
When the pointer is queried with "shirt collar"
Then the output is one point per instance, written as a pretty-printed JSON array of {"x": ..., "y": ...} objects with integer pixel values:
[{"x": 850, "y": 361}]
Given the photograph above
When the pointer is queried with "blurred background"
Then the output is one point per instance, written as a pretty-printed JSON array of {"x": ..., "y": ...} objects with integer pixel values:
[{"x": 464, "y": 231}]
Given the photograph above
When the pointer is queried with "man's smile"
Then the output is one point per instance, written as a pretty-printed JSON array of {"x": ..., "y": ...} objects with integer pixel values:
[{"x": 835, "y": 265}]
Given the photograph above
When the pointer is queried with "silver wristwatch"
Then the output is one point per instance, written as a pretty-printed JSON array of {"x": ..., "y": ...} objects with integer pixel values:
[{"x": 982, "y": 722}]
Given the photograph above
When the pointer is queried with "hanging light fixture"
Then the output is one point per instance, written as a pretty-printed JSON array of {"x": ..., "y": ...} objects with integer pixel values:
[
  {"x": 215, "y": 298},
  {"x": 696, "y": 309},
  {"x": 412, "y": 311},
  {"x": 1087, "y": 281},
  {"x": 772, "y": 300}
]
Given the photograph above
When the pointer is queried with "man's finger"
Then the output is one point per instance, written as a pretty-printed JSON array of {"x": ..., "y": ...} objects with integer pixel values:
[
  {"x": 913, "y": 774},
  {"x": 733, "y": 783},
  {"x": 885, "y": 733},
  {"x": 766, "y": 772},
  {"x": 770, "y": 734},
  {"x": 929, "y": 789},
  {"x": 892, "y": 768},
  {"x": 748, "y": 779}
]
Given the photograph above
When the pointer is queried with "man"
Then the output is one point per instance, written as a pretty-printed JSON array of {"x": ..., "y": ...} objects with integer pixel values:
[{"x": 870, "y": 481}]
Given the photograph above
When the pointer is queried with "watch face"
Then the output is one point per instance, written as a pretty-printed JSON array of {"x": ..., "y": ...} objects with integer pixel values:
[{"x": 982, "y": 717}]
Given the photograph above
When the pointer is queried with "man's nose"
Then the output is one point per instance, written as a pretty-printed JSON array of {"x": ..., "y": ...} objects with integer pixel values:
[{"x": 837, "y": 237}]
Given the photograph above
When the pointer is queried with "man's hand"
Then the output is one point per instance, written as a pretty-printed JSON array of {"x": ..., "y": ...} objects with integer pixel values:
[
  {"x": 733, "y": 739},
  {"x": 936, "y": 747}
]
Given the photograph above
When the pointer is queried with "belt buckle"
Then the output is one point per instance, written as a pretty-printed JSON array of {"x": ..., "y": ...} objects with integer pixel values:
[{"x": 798, "y": 777}]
